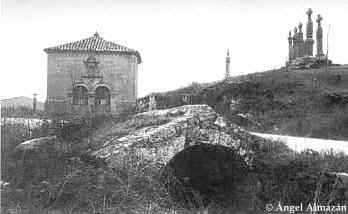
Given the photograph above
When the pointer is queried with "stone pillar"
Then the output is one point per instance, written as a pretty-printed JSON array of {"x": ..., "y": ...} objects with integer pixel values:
[
  {"x": 34, "y": 102},
  {"x": 300, "y": 41},
  {"x": 295, "y": 43},
  {"x": 309, "y": 34},
  {"x": 70, "y": 102},
  {"x": 291, "y": 51},
  {"x": 91, "y": 102},
  {"x": 91, "y": 99},
  {"x": 319, "y": 37},
  {"x": 227, "y": 74}
]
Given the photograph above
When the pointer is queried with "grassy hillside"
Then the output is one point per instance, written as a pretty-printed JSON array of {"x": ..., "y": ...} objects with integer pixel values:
[{"x": 309, "y": 103}]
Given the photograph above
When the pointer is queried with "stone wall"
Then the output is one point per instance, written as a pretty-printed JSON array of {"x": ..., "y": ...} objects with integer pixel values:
[{"x": 117, "y": 71}]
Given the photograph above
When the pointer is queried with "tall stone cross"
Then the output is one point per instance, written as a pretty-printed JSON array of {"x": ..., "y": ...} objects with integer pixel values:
[
  {"x": 309, "y": 34},
  {"x": 300, "y": 42},
  {"x": 309, "y": 12},
  {"x": 319, "y": 36},
  {"x": 291, "y": 52},
  {"x": 227, "y": 71},
  {"x": 319, "y": 19},
  {"x": 295, "y": 44},
  {"x": 309, "y": 30},
  {"x": 300, "y": 27},
  {"x": 34, "y": 102}
]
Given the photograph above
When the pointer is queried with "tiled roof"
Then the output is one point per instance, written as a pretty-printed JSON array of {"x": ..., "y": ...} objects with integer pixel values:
[{"x": 93, "y": 44}]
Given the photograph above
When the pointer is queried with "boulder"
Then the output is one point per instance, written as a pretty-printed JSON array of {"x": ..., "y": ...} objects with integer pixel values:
[
  {"x": 38, "y": 158},
  {"x": 37, "y": 144}
]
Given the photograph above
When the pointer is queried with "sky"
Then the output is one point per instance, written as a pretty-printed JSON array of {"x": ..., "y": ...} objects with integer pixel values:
[{"x": 180, "y": 41}]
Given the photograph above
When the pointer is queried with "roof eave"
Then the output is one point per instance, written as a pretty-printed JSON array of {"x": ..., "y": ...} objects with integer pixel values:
[{"x": 136, "y": 53}]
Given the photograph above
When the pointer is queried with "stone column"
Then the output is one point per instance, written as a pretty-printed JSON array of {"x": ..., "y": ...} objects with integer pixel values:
[
  {"x": 91, "y": 99},
  {"x": 309, "y": 34},
  {"x": 291, "y": 51},
  {"x": 295, "y": 43},
  {"x": 227, "y": 72},
  {"x": 300, "y": 41},
  {"x": 91, "y": 102},
  {"x": 34, "y": 102},
  {"x": 319, "y": 37}
]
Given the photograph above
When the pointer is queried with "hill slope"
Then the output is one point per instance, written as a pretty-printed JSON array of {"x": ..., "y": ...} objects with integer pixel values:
[
  {"x": 308, "y": 103},
  {"x": 17, "y": 102}
]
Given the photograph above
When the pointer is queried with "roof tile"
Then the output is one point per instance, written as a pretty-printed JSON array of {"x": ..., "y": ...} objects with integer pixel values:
[{"x": 93, "y": 44}]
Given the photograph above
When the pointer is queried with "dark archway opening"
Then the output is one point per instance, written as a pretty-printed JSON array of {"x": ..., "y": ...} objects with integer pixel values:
[
  {"x": 206, "y": 174},
  {"x": 80, "y": 95},
  {"x": 102, "y": 96}
]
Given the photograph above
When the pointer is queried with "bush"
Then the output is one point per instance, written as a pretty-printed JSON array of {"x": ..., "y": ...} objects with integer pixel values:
[{"x": 293, "y": 178}]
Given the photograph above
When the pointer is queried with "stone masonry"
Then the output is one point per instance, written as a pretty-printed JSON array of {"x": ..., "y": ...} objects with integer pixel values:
[
  {"x": 309, "y": 34},
  {"x": 300, "y": 51},
  {"x": 91, "y": 76},
  {"x": 319, "y": 37}
]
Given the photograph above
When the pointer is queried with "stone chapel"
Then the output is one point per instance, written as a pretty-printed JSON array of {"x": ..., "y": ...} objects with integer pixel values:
[{"x": 91, "y": 76}]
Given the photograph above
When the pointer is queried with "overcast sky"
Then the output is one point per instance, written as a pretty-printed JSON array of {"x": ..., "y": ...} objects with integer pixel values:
[{"x": 180, "y": 41}]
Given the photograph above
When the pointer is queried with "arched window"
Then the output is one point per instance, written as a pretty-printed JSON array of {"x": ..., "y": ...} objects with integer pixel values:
[
  {"x": 80, "y": 95},
  {"x": 102, "y": 96}
]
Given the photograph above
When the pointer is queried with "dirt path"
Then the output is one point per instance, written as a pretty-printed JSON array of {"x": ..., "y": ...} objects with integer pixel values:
[{"x": 302, "y": 143}]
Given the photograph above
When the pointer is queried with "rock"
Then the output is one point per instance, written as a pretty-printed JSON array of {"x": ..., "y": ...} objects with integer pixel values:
[
  {"x": 38, "y": 158},
  {"x": 40, "y": 149},
  {"x": 36, "y": 143},
  {"x": 92, "y": 160},
  {"x": 343, "y": 177},
  {"x": 4, "y": 184}
]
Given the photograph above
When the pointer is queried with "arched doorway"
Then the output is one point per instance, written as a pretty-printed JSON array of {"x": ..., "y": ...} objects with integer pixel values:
[
  {"x": 102, "y": 96},
  {"x": 80, "y": 95}
]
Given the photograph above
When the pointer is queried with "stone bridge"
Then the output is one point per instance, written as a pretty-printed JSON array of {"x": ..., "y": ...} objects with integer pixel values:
[{"x": 187, "y": 125}]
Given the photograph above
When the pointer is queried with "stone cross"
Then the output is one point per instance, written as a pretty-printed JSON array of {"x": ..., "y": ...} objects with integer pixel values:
[
  {"x": 319, "y": 36},
  {"x": 309, "y": 31},
  {"x": 309, "y": 34},
  {"x": 291, "y": 54},
  {"x": 34, "y": 102},
  {"x": 295, "y": 31},
  {"x": 319, "y": 19},
  {"x": 300, "y": 43},
  {"x": 227, "y": 71},
  {"x": 309, "y": 13},
  {"x": 300, "y": 27},
  {"x": 295, "y": 44}
]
